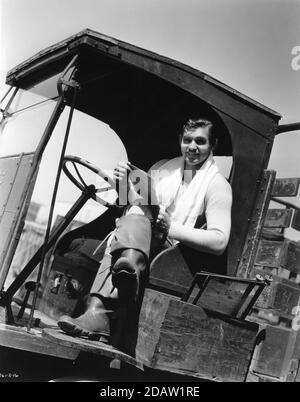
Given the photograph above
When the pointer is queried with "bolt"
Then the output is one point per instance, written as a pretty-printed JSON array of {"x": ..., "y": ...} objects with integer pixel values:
[{"x": 259, "y": 278}]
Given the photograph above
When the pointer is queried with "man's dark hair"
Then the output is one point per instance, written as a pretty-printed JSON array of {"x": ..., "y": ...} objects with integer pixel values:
[{"x": 194, "y": 123}]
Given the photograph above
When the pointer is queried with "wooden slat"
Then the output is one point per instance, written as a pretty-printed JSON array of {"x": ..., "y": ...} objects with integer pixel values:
[
  {"x": 280, "y": 297},
  {"x": 286, "y": 297},
  {"x": 14, "y": 171},
  {"x": 274, "y": 354},
  {"x": 278, "y": 218},
  {"x": 279, "y": 254},
  {"x": 296, "y": 220},
  {"x": 19, "y": 338},
  {"x": 287, "y": 187},
  {"x": 192, "y": 341},
  {"x": 293, "y": 371},
  {"x": 266, "y": 295},
  {"x": 154, "y": 308},
  {"x": 256, "y": 224},
  {"x": 272, "y": 234},
  {"x": 293, "y": 257},
  {"x": 296, "y": 352},
  {"x": 206, "y": 345},
  {"x": 57, "y": 337},
  {"x": 271, "y": 253}
]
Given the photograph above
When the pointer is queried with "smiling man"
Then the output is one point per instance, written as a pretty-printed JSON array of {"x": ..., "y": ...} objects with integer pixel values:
[
  {"x": 197, "y": 141},
  {"x": 194, "y": 209},
  {"x": 203, "y": 197}
]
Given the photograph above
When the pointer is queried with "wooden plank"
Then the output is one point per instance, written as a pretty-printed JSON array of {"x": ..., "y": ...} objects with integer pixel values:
[
  {"x": 6, "y": 223},
  {"x": 296, "y": 220},
  {"x": 286, "y": 297},
  {"x": 272, "y": 352},
  {"x": 279, "y": 255},
  {"x": 256, "y": 225},
  {"x": 8, "y": 172},
  {"x": 293, "y": 373},
  {"x": 9, "y": 168},
  {"x": 152, "y": 314},
  {"x": 287, "y": 187},
  {"x": 193, "y": 341},
  {"x": 272, "y": 234},
  {"x": 56, "y": 337},
  {"x": 280, "y": 297},
  {"x": 18, "y": 189},
  {"x": 19, "y": 338},
  {"x": 267, "y": 294},
  {"x": 206, "y": 345},
  {"x": 271, "y": 253},
  {"x": 293, "y": 257},
  {"x": 296, "y": 352},
  {"x": 278, "y": 218}
]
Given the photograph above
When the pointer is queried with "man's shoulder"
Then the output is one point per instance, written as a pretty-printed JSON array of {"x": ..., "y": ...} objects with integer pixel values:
[
  {"x": 167, "y": 163},
  {"x": 159, "y": 164},
  {"x": 219, "y": 184}
]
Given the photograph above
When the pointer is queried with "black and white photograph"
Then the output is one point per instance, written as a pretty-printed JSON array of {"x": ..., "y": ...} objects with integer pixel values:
[{"x": 149, "y": 193}]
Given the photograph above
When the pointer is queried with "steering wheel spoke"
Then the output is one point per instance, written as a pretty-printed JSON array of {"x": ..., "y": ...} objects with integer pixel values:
[
  {"x": 103, "y": 189},
  {"x": 81, "y": 184},
  {"x": 79, "y": 175}
]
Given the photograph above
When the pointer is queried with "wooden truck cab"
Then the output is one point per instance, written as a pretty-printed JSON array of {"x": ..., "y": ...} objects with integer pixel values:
[{"x": 145, "y": 98}]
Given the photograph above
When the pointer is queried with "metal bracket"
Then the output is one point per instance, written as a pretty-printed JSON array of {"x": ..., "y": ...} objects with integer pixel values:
[
  {"x": 202, "y": 279},
  {"x": 69, "y": 83}
]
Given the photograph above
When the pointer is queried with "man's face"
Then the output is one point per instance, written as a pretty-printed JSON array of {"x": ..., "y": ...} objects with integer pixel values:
[{"x": 195, "y": 146}]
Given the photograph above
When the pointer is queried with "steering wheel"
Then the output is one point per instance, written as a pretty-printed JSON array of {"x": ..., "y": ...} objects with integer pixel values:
[{"x": 81, "y": 183}]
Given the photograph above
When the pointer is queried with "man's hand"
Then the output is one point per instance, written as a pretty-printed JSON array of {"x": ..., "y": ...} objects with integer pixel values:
[
  {"x": 163, "y": 221},
  {"x": 121, "y": 172}
]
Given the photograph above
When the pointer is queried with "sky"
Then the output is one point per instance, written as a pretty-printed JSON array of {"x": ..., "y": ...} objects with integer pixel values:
[{"x": 247, "y": 44}]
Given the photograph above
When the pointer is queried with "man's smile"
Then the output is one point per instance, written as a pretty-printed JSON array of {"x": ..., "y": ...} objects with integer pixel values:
[{"x": 192, "y": 155}]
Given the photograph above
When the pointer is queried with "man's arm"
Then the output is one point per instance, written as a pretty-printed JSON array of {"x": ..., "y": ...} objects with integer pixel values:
[{"x": 215, "y": 238}]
